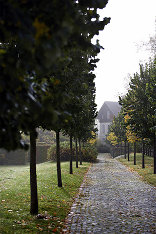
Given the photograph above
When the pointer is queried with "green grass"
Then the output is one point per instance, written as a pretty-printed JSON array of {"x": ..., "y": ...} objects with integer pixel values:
[
  {"x": 146, "y": 173},
  {"x": 56, "y": 202}
]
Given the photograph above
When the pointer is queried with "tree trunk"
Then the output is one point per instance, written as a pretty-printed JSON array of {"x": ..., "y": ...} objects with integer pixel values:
[
  {"x": 76, "y": 153},
  {"x": 145, "y": 149},
  {"x": 80, "y": 154},
  {"x": 150, "y": 152},
  {"x": 33, "y": 176},
  {"x": 128, "y": 151},
  {"x": 121, "y": 149},
  {"x": 112, "y": 151},
  {"x": 59, "y": 179},
  {"x": 125, "y": 149},
  {"x": 71, "y": 156},
  {"x": 134, "y": 153},
  {"x": 143, "y": 155},
  {"x": 154, "y": 153}
]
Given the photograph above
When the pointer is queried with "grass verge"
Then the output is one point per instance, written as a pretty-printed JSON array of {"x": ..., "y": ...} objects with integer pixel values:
[
  {"x": 145, "y": 173},
  {"x": 53, "y": 201}
]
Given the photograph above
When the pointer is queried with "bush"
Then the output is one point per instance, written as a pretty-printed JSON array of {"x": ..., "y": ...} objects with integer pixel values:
[{"x": 89, "y": 152}]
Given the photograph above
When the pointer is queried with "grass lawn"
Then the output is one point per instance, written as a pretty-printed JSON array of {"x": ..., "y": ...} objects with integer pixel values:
[
  {"x": 146, "y": 173},
  {"x": 56, "y": 202}
]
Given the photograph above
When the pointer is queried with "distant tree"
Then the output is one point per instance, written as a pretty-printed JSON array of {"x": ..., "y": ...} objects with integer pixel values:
[
  {"x": 118, "y": 130},
  {"x": 140, "y": 104},
  {"x": 131, "y": 136}
]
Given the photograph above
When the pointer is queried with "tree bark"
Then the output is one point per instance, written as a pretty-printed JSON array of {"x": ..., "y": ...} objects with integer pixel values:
[
  {"x": 121, "y": 148},
  {"x": 80, "y": 154},
  {"x": 143, "y": 155},
  {"x": 71, "y": 156},
  {"x": 148, "y": 149},
  {"x": 150, "y": 152},
  {"x": 125, "y": 149},
  {"x": 33, "y": 176},
  {"x": 76, "y": 154},
  {"x": 128, "y": 151},
  {"x": 154, "y": 153},
  {"x": 59, "y": 179},
  {"x": 145, "y": 149},
  {"x": 113, "y": 151},
  {"x": 134, "y": 153}
]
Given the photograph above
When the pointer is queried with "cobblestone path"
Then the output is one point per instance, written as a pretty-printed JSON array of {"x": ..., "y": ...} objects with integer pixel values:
[{"x": 113, "y": 200}]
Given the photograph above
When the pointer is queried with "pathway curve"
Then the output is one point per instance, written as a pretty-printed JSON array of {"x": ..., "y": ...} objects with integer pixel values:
[{"x": 113, "y": 200}]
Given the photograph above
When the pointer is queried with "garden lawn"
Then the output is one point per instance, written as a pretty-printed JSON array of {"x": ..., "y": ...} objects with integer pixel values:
[
  {"x": 146, "y": 173},
  {"x": 53, "y": 201}
]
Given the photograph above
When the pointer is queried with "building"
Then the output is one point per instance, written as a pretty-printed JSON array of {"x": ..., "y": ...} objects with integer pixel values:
[{"x": 105, "y": 116}]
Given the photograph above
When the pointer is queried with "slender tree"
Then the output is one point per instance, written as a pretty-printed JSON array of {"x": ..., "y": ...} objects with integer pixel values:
[
  {"x": 33, "y": 40},
  {"x": 71, "y": 156},
  {"x": 33, "y": 176},
  {"x": 59, "y": 178},
  {"x": 76, "y": 151},
  {"x": 139, "y": 103}
]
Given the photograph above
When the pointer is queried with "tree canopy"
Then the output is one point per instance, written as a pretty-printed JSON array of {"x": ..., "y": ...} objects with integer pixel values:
[{"x": 35, "y": 40}]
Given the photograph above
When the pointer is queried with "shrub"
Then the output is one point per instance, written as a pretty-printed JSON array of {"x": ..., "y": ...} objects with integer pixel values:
[
  {"x": 89, "y": 152},
  {"x": 64, "y": 152}
]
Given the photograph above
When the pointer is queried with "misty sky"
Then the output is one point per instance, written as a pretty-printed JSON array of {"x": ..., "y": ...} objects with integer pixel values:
[{"x": 132, "y": 24}]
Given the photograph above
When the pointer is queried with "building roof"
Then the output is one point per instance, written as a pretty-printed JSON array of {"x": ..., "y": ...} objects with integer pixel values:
[{"x": 108, "y": 111}]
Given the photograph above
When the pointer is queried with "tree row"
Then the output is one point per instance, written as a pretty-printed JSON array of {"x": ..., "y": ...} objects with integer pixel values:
[
  {"x": 137, "y": 120},
  {"x": 47, "y": 61}
]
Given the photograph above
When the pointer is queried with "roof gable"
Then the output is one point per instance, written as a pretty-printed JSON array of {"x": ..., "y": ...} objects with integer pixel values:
[
  {"x": 114, "y": 107},
  {"x": 108, "y": 111}
]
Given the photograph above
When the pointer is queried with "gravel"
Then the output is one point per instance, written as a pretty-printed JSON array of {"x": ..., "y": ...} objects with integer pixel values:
[{"x": 112, "y": 199}]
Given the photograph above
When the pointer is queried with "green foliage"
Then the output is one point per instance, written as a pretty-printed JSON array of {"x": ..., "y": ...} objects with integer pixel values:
[
  {"x": 35, "y": 38},
  {"x": 64, "y": 152},
  {"x": 89, "y": 152},
  {"x": 140, "y": 101},
  {"x": 45, "y": 136},
  {"x": 140, "y": 105},
  {"x": 117, "y": 130}
]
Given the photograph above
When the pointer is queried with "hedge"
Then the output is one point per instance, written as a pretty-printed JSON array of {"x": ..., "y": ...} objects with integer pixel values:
[{"x": 89, "y": 152}]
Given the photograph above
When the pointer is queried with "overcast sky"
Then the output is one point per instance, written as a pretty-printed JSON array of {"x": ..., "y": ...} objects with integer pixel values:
[{"x": 132, "y": 23}]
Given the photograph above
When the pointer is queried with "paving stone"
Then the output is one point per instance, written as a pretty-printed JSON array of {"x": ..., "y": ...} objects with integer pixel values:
[{"x": 113, "y": 200}]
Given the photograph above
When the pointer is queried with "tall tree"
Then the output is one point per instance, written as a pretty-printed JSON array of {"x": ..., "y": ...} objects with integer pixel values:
[
  {"x": 34, "y": 36},
  {"x": 140, "y": 103}
]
